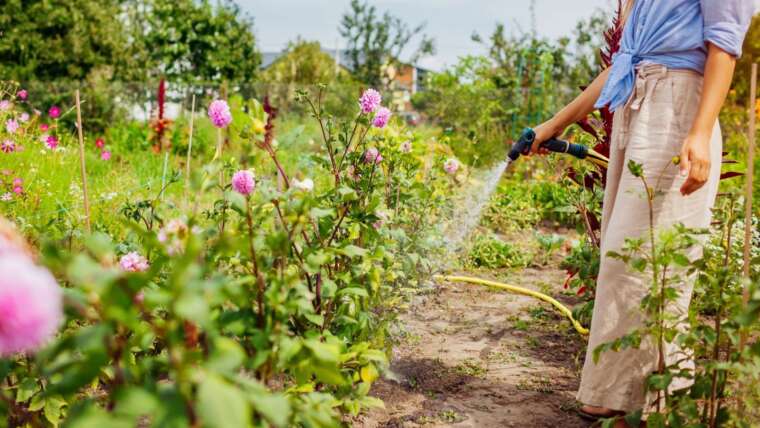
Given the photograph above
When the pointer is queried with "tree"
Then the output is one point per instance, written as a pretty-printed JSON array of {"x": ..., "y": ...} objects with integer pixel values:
[
  {"x": 59, "y": 39},
  {"x": 377, "y": 41},
  {"x": 303, "y": 63},
  {"x": 194, "y": 42}
]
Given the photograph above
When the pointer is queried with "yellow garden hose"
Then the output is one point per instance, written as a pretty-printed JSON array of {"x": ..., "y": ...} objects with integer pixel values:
[{"x": 519, "y": 290}]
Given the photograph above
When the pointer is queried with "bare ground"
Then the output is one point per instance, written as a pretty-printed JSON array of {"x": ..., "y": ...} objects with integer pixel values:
[{"x": 476, "y": 357}]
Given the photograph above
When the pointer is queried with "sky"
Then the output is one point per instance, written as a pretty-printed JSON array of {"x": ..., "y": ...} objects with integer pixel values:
[{"x": 450, "y": 22}]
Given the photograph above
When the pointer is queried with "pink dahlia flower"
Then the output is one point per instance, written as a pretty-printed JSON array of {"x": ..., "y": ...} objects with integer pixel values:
[
  {"x": 54, "y": 112},
  {"x": 8, "y": 146},
  {"x": 133, "y": 262},
  {"x": 100, "y": 143},
  {"x": 105, "y": 155},
  {"x": 372, "y": 155},
  {"x": 451, "y": 166},
  {"x": 382, "y": 117},
  {"x": 370, "y": 101},
  {"x": 219, "y": 113},
  {"x": 243, "y": 182},
  {"x": 51, "y": 142},
  {"x": 31, "y": 305},
  {"x": 11, "y": 126},
  {"x": 22, "y": 94}
]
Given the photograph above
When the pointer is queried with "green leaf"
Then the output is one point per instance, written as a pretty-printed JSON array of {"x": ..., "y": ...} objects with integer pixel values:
[
  {"x": 352, "y": 251},
  {"x": 321, "y": 212},
  {"x": 274, "y": 407},
  {"x": 316, "y": 319},
  {"x": 221, "y": 404},
  {"x": 133, "y": 402},
  {"x": 226, "y": 356},
  {"x": 53, "y": 406},
  {"x": 347, "y": 194},
  {"x": 325, "y": 352},
  {"x": 88, "y": 415},
  {"x": 353, "y": 291},
  {"x": 26, "y": 389}
]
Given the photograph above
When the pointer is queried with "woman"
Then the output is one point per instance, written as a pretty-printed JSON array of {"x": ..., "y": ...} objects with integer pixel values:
[{"x": 666, "y": 86}]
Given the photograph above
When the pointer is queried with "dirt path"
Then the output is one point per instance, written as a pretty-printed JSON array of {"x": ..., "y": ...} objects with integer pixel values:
[{"x": 473, "y": 357}]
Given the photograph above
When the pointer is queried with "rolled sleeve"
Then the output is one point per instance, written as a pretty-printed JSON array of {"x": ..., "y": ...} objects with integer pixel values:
[{"x": 726, "y": 23}]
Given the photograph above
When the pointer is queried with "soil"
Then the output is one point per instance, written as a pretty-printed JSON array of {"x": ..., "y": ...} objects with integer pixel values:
[{"x": 471, "y": 356}]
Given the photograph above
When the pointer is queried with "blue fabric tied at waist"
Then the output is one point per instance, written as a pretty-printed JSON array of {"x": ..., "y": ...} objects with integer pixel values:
[
  {"x": 620, "y": 80},
  {"x": 673, "y": 33}
]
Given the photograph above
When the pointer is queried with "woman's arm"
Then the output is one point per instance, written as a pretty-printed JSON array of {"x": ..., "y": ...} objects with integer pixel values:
[
  {"x": 695, "y": 153},
  {"x": 579, "y": 108}
]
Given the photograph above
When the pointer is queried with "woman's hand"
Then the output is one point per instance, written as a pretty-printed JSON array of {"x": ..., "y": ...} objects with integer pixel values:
[
  {"x": 544, "y": 132},
  {"x": 695, "y": 162}
]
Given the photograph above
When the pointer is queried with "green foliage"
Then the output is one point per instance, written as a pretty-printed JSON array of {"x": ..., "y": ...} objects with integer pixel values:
[
  {"x": 488, "y": 251},
  {"x": 305, "y": 66},
  {"x": 48, "y": 40},
  {"x": 375, "y": 42},
  {"x": 268, "y": 310},
  {"x": 714, "y": 339}
]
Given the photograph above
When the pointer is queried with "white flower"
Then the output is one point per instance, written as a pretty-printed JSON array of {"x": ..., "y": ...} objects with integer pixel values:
[
  {"x": 307, "y": 185},
  {"x": 6, "y": 196},
  {"x": 406, "y": 147}
]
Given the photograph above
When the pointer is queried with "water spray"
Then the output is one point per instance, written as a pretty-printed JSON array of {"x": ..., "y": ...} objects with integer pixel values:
[{"x": 521, "y": 147}]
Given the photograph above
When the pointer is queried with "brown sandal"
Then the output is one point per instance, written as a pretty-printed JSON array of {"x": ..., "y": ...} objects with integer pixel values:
[{"x": 593, "y": 417}]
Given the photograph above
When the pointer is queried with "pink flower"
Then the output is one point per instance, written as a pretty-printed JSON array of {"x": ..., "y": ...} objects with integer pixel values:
[
  {"x": 8, "y": 146},
  {"x": 17, "y": 181},
  {"x": 372, "y": 155},
  {"x": 219, "y": 113},
  {"x": 11, "y": 126},
  {"x": 451, "y": 166},
  {"x": 370, "y": 101},
  {"x": 382, "y": 117},
  {"x": 54, "y": 112},
  {"x": 51, "y": 142},
  {"x": 134, "y": 262},
  {"x": 44, "y": 127},
  {"x": 24, "y": 117},
  {"x": 5, "y": 105},
  {"x": 18, "y": 190},
  {"x": 22, "y": 94},
  {"x": 100, "y": 143},
  {"x": 31, "y": 305},
  {"x": 105, "y": 155},
  {"x": 406, "y": 147},
  {"x": 243, "y": 182}
]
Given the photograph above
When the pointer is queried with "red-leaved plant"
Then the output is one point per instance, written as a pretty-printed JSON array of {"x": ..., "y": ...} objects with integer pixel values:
[{"x": 160, "y": 124}]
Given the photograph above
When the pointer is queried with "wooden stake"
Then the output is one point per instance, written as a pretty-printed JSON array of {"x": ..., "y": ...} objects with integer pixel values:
[
  {"x": 748, "y": 196},
  {"x": 750, "y": 175},
  {"x": 82, "y": 165},
  {"x": 190, "y": 143}
]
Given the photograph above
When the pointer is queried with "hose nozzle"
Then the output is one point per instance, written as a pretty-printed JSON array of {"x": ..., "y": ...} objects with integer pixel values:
[{"x": 523, "y": 145}]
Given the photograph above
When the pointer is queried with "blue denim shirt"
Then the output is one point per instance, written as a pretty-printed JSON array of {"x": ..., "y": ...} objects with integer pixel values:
[{"x": 674, "y": 33}]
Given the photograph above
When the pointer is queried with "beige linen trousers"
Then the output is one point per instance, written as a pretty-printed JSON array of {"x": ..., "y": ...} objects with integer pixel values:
[{"x": 649, "y": 129}]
